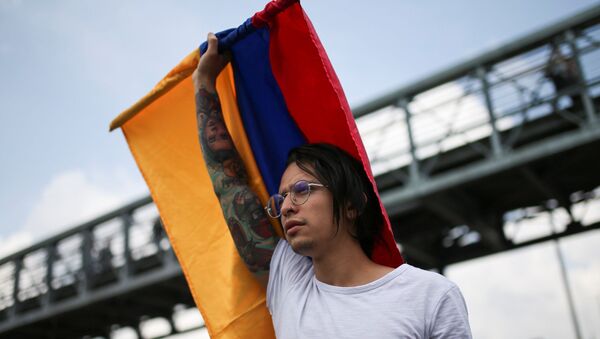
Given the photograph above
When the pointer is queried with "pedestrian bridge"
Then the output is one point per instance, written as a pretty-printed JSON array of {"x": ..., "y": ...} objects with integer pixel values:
[{"x": 459, "y": 157}]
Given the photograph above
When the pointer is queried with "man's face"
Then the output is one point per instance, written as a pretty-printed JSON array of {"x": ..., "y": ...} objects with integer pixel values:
[
  {"x": 217, "y": 137},
  {"x": 309, "y": 228}
]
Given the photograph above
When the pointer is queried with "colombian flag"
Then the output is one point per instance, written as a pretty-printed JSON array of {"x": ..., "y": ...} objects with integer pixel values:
[{"x": 279, "y": 91}]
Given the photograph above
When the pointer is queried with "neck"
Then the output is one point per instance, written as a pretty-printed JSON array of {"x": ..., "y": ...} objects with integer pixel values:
[{"x": 345, "y": 264}]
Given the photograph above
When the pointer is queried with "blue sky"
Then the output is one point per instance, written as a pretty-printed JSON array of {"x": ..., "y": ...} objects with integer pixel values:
[{"x": 68, "y": 67}]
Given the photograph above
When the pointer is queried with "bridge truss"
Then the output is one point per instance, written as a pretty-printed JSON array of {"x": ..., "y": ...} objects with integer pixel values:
[{"x": 459, "y": 157}]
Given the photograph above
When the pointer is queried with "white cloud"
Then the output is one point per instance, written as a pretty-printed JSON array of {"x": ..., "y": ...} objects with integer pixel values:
[
  {"x": 68, "y": 199},
  {"x": 581, "y": 256},
  {"x": 75, "y": 196},
  {"x": 502, "y": 302},
  {"x": 519, "y": 294},
  {"x": 15, "y": 242}
]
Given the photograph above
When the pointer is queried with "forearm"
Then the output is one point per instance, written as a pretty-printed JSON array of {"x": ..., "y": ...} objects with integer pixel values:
[{"x": 252, "y": 233}]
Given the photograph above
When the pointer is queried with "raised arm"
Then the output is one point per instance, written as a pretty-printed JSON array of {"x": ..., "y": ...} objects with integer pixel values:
[{"x": 248, "y": 223}]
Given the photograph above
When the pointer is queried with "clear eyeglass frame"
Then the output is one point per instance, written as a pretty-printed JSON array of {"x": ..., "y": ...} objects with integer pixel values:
[{"x": 299, "y": 194}]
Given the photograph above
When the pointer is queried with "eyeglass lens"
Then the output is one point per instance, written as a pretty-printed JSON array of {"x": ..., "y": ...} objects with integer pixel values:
[{"x": 298, "y": 194}]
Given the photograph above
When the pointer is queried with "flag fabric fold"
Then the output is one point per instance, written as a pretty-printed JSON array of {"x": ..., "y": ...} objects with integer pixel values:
[{"x": 280, "y": 91}]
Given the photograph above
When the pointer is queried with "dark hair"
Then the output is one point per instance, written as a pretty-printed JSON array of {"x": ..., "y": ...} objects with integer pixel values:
[{"x": 349, "y": 185}]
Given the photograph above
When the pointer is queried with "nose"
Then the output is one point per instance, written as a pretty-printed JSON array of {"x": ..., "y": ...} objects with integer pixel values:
[{"x": 287, "y": 206}]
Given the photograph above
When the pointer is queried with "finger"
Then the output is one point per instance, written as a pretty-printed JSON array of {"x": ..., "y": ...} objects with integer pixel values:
[{"x": 212, "y": 43}]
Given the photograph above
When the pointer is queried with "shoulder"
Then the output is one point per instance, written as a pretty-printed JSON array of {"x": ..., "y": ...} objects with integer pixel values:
[
  {"x": 427, "y": 280},
  {"x": 409, "y": 285},
  {"x": 444, "y": 310},
  {"x": 425, "y": 290},
  {"x": 445, "y": 307}
]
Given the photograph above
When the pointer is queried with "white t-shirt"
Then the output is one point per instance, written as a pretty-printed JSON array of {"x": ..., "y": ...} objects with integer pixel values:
[{"x": 405, "y": 303}]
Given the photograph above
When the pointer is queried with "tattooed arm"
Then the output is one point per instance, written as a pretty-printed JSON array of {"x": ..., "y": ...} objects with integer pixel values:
[{"x": 248, "y": 223}]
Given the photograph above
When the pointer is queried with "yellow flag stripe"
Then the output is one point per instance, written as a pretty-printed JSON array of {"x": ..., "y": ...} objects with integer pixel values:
[{"x": 163, "y": 139}]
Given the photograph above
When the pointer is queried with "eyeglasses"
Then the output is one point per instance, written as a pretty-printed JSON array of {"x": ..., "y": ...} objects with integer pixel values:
[{"x": 299, "y": 193}]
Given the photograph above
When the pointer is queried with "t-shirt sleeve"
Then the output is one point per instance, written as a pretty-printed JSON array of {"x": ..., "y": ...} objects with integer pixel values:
[
  {"x": 287, "y": 270},
  {"x": 450, "y": 317}
]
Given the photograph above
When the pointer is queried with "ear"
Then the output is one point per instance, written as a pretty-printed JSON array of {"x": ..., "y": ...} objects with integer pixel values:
[{"x": 351, "y": 213}]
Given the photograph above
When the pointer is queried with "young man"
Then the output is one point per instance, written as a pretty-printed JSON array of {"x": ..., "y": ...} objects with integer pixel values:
[{"x": 321, "y": 280}]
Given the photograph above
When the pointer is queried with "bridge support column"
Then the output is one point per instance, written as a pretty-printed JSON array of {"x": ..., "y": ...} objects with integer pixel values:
[
  {"x": 414, "y": 170},
  {"x": 565, "y": 279},
  {"x": 495, "y": 136}
]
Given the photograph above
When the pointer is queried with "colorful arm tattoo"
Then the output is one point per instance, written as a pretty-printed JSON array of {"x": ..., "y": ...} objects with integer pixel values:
[{"x": 248, "y": 223}]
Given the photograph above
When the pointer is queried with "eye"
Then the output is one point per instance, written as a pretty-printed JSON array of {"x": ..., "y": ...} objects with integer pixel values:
[{"x": 301, "y": 187}]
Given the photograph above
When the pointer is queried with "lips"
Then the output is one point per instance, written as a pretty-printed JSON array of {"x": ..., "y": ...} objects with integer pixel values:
[{"x": 291, "y": 224}]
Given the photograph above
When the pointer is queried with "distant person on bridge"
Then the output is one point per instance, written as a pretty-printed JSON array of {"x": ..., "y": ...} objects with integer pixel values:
[
  {"x": 320, "y": 279},
  {"x": 562, "y": 71}
]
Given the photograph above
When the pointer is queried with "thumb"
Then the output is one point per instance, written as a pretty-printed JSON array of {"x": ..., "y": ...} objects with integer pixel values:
[{"x": 213, "y": 43}]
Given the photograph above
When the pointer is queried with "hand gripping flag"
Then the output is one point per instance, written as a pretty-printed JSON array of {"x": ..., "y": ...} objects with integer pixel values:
[{"x": 279, "y": 91}]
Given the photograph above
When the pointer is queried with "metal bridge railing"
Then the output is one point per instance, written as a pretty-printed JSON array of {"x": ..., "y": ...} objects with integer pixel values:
[
  {"x": 113, "y": 247},
  {"x": 484, "y": 103}
]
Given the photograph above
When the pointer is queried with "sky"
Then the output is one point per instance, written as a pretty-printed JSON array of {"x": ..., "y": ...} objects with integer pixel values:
[{"x": 68, "y": 67}]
